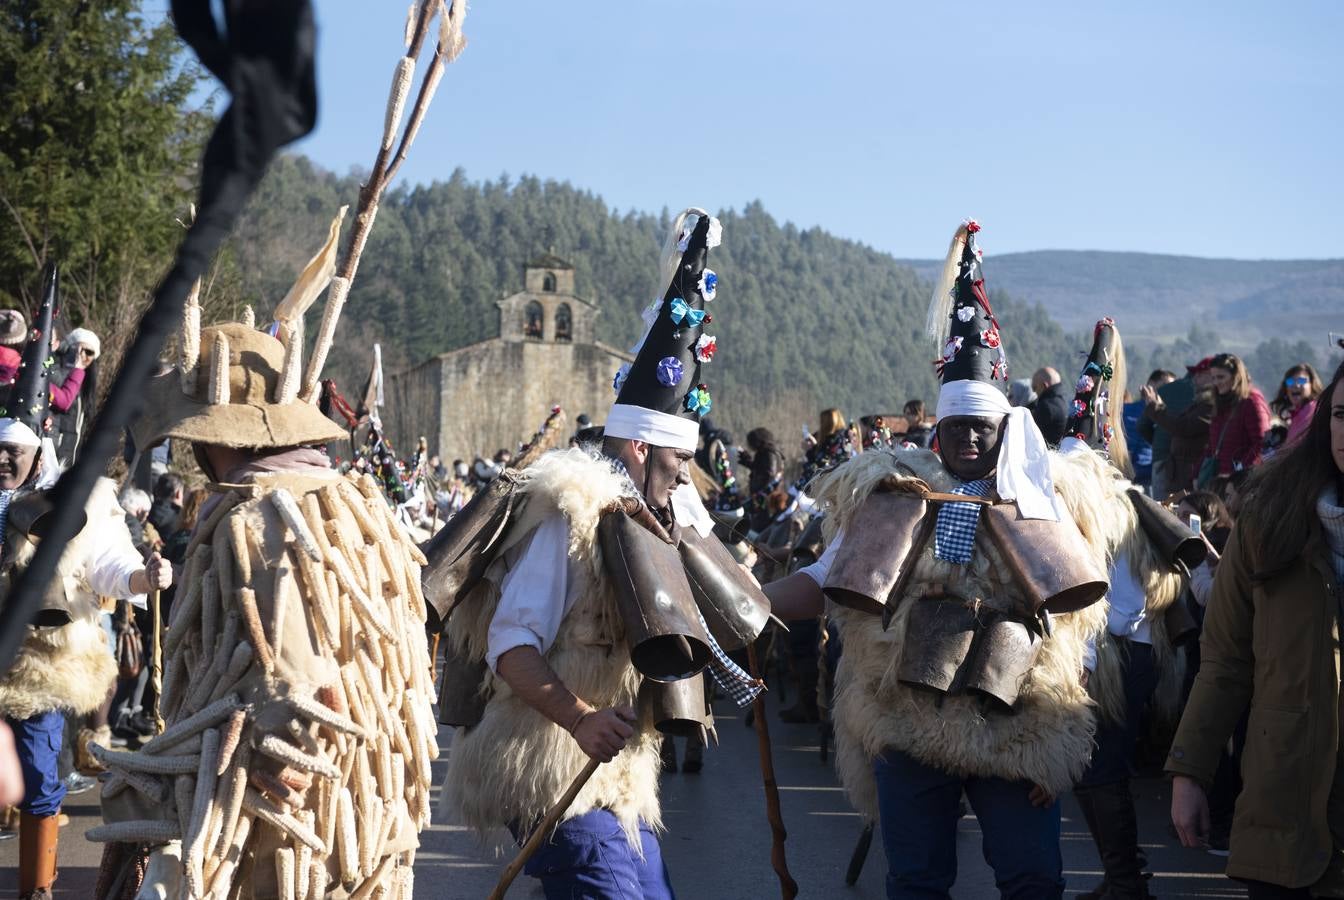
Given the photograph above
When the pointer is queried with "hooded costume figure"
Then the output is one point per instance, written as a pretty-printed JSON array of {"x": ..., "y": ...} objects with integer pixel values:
[
  {"x": 64, "y": 666},
  {"x": 576, "y": 556},
  {"x": 1136, "y": 662},
  {"x": 297, "y": 687},
  {"x": 965, "y": 608}
]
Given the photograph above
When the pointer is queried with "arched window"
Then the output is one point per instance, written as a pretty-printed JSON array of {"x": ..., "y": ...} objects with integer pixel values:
[
  {"x": 548, "y": 283},
  {"x": 532, "y": 321},
  {"x": 564, "y": 323}
]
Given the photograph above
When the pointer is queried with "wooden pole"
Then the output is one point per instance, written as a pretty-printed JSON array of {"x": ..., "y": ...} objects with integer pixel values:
[
  {"x": 156, "y": 661},
  {"x": 788, "y": 888},
  {"x": 542, "y": 831}
]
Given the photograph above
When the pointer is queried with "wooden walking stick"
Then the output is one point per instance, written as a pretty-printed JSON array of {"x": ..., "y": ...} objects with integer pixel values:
[
  {"x": 788, "y": 888},
  {"x": 156, "y": 661},
  {"x": 541, "y": 832}
]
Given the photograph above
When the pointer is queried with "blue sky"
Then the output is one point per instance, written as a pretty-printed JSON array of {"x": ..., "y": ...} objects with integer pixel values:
[{"x": 1193, "y": 128}]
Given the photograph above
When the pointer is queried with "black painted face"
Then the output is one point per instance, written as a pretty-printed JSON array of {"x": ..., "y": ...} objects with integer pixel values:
[{"x": 969, "y": 445}]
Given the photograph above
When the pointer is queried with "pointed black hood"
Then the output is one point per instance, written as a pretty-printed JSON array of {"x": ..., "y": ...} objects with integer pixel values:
[
  {"x": 29, "y": 403},
  {"x": 661, "y": 396}
]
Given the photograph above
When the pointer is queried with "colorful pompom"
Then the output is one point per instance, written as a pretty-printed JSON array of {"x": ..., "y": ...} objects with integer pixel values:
[
  {"x": 706, "y": 347},
  {"x": 709, "y": 285},
  {"x": 670, "y": 371},
  {"x": 698, "y": 400},
  {"x": 621, "y": 375}
]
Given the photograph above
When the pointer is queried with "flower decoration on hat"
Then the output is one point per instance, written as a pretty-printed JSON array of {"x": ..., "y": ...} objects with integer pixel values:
[
  {"x": 990, "y": 338},
  {"x": 706, "y": 347},
  {"x": 709, "y": 285},
  {"x": 1090, "y": 413},
  {"x": 682, "y": 312},
  {"x": 965, "y": 313},
  {"x": 620, "y": 377},
  {"x": 950, "y": 351},
  {"x": 698, "y": 400},
  {"x": 670, "y": 371},
  {"x": 1085, "y": 384}
]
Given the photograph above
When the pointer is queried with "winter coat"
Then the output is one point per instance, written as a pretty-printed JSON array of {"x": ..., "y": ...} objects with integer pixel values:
[
  {"x": 1237, "y": 433},
  {"x": 1051, "y": 412},
  {"x": 1188, "y": 427},
  {"x": 1272, "y": 644}
]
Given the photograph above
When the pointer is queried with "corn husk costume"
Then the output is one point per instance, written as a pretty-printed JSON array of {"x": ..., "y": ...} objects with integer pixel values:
[
  {"x": 1138, "y": 655},
  {"x": 297, "y": 687}
]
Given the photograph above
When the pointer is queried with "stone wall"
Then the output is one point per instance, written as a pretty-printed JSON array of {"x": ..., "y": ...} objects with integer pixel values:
[{"x": 480, "y": 398}]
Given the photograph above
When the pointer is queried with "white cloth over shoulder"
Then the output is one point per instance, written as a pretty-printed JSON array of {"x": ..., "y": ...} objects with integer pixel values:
[{"x": 539, "y": 588}]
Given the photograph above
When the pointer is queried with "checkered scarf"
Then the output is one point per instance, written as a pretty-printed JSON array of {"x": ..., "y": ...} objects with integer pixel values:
[
  {"x": 5, "y": 497},
  {"x": 740, "y": 687},
  {"x": 954, "y": 536}
]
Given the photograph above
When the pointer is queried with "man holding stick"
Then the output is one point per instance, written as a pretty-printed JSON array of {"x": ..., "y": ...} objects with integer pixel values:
[{"x": 574, "y": 684}]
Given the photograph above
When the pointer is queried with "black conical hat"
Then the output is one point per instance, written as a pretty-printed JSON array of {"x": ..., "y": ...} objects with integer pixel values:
[
  {"x": 30, "y": 397},
  {"x": 661, "y": 397},
  {"x": 1090, "y": 414},
  {"x": 972, "y": 349}
]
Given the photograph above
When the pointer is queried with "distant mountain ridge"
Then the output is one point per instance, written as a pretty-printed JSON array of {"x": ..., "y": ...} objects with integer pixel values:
[{"x": 1155, "y": 297}]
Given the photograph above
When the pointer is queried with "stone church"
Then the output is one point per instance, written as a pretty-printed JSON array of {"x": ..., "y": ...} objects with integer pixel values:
[{"x": 495, "y": 393}]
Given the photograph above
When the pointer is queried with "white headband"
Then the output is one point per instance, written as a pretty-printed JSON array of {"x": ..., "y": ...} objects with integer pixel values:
[
  {"x": 660, "y": 429},
  {"x": 12, "y": 431},
  {"x": 1024, "y": 457}
]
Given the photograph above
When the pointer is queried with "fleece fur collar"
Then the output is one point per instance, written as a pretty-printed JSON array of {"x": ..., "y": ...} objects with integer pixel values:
[
  {"x": 513, "y": 766},
  {"x": 69, "y": 667}
]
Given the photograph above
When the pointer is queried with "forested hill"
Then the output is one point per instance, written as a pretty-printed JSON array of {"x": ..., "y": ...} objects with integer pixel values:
[
  {"x": 804, "y": 319},
  {"x": 1154, "y": 297}
]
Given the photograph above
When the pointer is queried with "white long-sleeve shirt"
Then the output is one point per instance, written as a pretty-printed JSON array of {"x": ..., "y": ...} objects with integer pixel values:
[{"x": 539, "y": 588}]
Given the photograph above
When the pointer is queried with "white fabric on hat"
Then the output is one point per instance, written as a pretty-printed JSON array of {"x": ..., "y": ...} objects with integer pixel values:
[
  {"x": 86, "y": 338},
  {"x": 12, "y": 431},
  {"x": 1024, "y": 457},
  {"x": 660, "y": 429},
  {"x": 971, "y": 398}
]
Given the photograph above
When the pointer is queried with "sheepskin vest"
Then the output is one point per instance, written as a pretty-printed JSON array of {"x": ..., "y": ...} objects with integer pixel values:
[
  {"x": 513, "y": 766},
  {"x": 68, "y": 667},
  {"x": 1046, "y": 739}
]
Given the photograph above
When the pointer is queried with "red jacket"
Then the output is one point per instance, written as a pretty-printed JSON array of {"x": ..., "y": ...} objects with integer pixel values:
[{"x": 1241, "y": 428}]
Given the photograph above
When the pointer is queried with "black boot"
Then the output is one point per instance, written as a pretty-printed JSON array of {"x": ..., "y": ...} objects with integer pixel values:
[{"x": 1110, "y": 815}]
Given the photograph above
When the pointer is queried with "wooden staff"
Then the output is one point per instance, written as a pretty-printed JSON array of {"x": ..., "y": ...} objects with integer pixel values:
[
  {"x": 156, "y": 660},
  {"x": 788, "y": 888},
  {"x": 540, "y": 833}
]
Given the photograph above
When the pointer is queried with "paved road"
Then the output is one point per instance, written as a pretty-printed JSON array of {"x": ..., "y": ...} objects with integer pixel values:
[{"x": 718, "y": 844}]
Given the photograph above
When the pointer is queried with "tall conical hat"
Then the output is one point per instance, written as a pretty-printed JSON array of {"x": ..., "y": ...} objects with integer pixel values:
[
  {"x": 1096, "y": 416},
  {"x": 660, "y": 396},
  {"x": 974, "y": 371},
  {"x": 28, "y": 408}
]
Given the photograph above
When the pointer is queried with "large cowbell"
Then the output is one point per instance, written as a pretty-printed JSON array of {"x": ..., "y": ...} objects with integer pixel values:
[{"x": 662, "y": 625}]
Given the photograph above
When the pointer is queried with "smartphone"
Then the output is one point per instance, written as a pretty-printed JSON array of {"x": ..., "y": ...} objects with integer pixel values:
[{"x": 1196, "y": 525}]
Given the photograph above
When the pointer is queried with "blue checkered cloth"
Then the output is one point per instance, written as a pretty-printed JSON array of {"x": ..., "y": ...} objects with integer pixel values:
[
  {"x": 954, "y": 536},
  {"x": 740, "y": 687},
  {"x": 5, "y": 497}
]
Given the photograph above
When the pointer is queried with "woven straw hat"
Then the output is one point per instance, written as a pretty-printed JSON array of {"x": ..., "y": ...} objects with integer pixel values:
[{"x": 235, "y": 386}]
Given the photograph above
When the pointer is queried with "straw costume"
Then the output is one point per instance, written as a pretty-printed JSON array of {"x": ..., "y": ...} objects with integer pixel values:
[
  {"x": 63, "y": 666},
  {"x": 965, "y": 622},
  {"x": 297, "y": 687},
  {"x": 555, "y": 582},
  {"x": 1136, "y": 663}
]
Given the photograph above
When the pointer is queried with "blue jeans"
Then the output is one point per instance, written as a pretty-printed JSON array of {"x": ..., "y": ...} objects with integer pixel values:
[
  {"x": 919, "y": 807},
  {"x": 1111, "y": 760},
  {"x": 38, "y": 742},
  {"x": 589, "y": 858}
]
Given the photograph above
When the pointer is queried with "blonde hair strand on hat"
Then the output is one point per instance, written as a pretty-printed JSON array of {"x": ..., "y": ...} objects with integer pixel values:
[{"x": 940, "y": 305}]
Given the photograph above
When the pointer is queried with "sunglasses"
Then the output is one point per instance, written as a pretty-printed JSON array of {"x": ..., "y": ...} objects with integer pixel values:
[{"x": 1297, "y": 381}]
